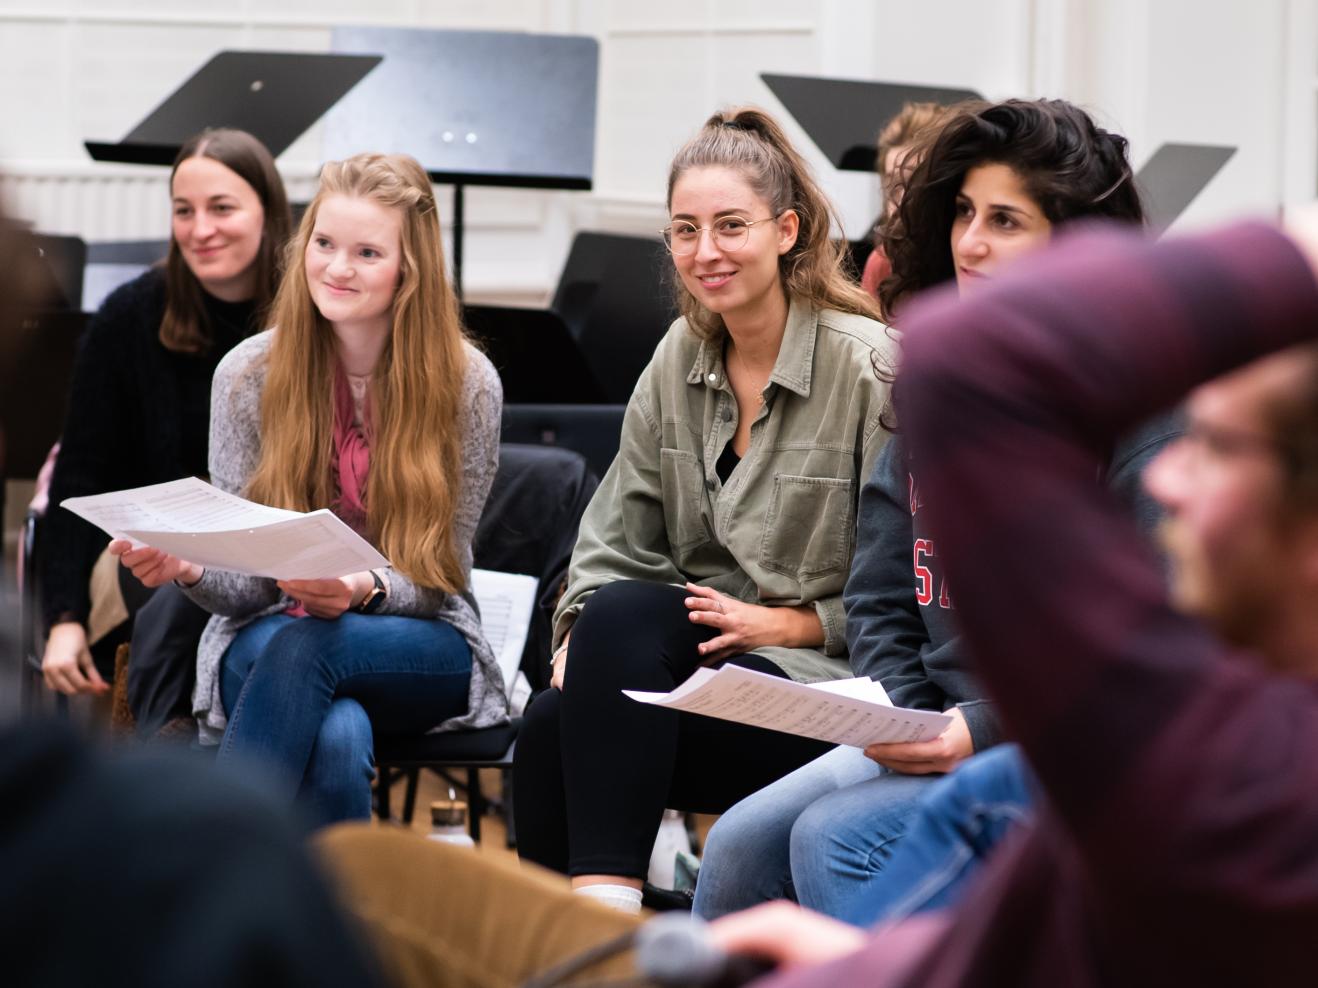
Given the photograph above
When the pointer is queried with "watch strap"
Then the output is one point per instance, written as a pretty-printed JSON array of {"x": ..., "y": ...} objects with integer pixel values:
[{"x": 374, "y": 597}]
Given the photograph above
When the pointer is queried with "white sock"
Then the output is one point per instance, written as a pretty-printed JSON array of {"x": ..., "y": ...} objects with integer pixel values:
[{"x": 623, "y": 898}]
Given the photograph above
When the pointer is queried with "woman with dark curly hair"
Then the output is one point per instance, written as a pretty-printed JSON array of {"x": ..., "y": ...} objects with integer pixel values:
[
  {"x": 996, "y": 183},
  {"x": 1049, "y": 152}
]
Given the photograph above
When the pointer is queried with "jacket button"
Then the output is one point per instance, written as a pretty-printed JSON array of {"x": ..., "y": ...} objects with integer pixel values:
[
  {"x": 712, "y": 378},
  {"x": 727, "y": 413}
]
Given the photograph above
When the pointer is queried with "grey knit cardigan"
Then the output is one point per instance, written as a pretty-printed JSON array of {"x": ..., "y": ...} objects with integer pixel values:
[{"x": 236, "y": 600}]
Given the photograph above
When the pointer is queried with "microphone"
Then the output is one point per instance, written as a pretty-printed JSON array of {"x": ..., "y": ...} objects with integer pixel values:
[{"x": 675, "y": 949}]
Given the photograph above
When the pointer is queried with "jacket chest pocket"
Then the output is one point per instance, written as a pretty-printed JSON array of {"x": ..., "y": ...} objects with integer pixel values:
[
  {"x": 807, "y": 529},
  {"x": 683, "y": 491}
]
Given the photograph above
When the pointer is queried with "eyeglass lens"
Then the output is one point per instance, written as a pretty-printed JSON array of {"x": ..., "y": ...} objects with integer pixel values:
[{"x": 730, "y": 234}]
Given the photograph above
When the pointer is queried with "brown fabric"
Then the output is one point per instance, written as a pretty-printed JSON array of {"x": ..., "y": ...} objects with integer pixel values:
[
  {"x": 445, "y": 915},
  {"x": 122, "y": 720}
]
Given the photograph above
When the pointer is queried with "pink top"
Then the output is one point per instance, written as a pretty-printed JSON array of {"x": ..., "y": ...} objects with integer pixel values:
[{"x": 352, "y": 460}]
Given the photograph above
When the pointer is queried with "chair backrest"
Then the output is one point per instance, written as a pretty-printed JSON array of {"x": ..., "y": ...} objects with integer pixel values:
[
  {"x": 594, "y": 431},
  {"x": 112, "y": 263},
  {"x": 59, "y": 271},
  {"x": 529, "y": 526},
  {"x": 32, "y": 407}
]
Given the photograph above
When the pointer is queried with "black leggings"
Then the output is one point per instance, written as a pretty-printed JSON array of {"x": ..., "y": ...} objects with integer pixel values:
[{"x": 595, "y": 770}]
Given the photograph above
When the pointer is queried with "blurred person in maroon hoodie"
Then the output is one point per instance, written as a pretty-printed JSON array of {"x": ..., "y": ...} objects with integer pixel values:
[{"x": 1174, "y": 740}]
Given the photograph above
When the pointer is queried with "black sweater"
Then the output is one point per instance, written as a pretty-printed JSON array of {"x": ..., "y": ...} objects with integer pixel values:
[{"x": 138, "y": 414}]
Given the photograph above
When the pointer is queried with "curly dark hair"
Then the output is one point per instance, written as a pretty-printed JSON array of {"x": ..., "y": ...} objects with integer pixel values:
[{"x": 1069, "y": 165}]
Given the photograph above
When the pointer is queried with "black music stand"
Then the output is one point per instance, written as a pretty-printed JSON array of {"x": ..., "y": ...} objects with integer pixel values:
[
  {"x": 844, "y": 116},
  {"x": 1175, "y": 174},
  {"x": 475, "y": 108},
  {"x": 274, "y": 96}
]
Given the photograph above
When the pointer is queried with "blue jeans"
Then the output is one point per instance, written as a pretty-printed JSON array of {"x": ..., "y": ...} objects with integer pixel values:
[
  {"x": 303, "y": 697},
  {"x": 960, "y": 820},
  {"x": 821, "y": 833}
]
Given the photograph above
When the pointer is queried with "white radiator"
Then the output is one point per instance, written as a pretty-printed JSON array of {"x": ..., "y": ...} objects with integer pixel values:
[{"x": 98, "y": 201}]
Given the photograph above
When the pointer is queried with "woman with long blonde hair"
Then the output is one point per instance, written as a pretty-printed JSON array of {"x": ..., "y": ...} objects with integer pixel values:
[{"x": 365, "y": 398}]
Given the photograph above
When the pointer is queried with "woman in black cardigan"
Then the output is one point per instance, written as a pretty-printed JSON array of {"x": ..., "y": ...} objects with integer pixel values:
[{"x": 139, "y": 405}]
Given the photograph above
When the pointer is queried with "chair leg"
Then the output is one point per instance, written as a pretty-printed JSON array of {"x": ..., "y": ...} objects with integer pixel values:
[
  {"x": 475, "y": 804},
  {"x": 510, "y": 827},
  {"x": 28, "y": 691},
  {"x": 692, "y": 835},
  {"x": 383, "y": 779},
  {"x": 409, "y": 797}
]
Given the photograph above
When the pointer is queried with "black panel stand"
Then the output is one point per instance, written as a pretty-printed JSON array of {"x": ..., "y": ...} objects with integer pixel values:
[
  {"x": 1175, "y": 174},
  {"x": 459, "y": 232},
  {"x": 274, "y": 96},
  {"x": 493, "y": 108},
  {"x": 844, "y": 116}
]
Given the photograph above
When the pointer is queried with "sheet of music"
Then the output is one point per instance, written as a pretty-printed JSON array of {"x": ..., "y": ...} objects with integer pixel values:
[
  {"x": 506, "y": 601},
  {"x": 198, "y": 522},
  {"x": 850, "y": 711}
]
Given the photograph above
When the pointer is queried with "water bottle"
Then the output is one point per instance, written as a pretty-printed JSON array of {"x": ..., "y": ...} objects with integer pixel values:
[{"x": 448, "y": 821}]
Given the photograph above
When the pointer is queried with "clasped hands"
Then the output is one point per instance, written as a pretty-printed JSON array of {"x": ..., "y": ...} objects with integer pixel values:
[{"x": 321, "y": 598}]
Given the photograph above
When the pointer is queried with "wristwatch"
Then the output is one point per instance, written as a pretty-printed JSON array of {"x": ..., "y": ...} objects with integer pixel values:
[{"x": 374, "y": 597}]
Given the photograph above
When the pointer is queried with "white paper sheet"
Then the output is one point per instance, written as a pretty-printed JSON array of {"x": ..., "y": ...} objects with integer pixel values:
[
  {"x": 843, "y": 712},
  {"x": 506, "y": 601},
  {"x": 200, "y": 523}
]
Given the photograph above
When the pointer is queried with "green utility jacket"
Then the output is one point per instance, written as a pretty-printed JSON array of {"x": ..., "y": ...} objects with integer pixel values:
[{"x": 782, "y": 530}]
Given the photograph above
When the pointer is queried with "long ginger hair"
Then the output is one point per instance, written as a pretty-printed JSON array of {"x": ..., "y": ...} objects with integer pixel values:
[{"x": 415, "y": 476}]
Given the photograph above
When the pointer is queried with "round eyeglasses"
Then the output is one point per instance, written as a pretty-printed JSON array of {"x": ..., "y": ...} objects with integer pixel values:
[{"x": 730, "y": 234}]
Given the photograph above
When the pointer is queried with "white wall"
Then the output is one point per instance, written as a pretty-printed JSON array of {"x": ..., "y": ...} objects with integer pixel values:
[
  {"x": 1218, "y": 71},
  {"x": 1202, "y": 71}
]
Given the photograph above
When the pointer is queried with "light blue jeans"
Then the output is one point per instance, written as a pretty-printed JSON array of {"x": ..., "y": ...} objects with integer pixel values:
[
  {"x": 820, "y": 834},
  {"x": 960, "y": 819},
  {"x": 850, "y": 839}
]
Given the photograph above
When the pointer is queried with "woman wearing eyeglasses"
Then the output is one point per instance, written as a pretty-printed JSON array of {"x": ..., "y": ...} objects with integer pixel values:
[{"x": 724, "y": 529}]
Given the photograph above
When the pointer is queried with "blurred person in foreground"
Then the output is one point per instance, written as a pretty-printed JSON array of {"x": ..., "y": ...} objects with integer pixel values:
[{"x": 1171, "y": 731}]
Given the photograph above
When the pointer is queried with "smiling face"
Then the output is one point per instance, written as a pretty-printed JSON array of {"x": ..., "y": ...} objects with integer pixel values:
[
  {"x": 353, "y": 261},
  {"x": 996, "y": 222},
  {"x": 741, "y": 284},
  {"x": 218, "y": 223}
]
